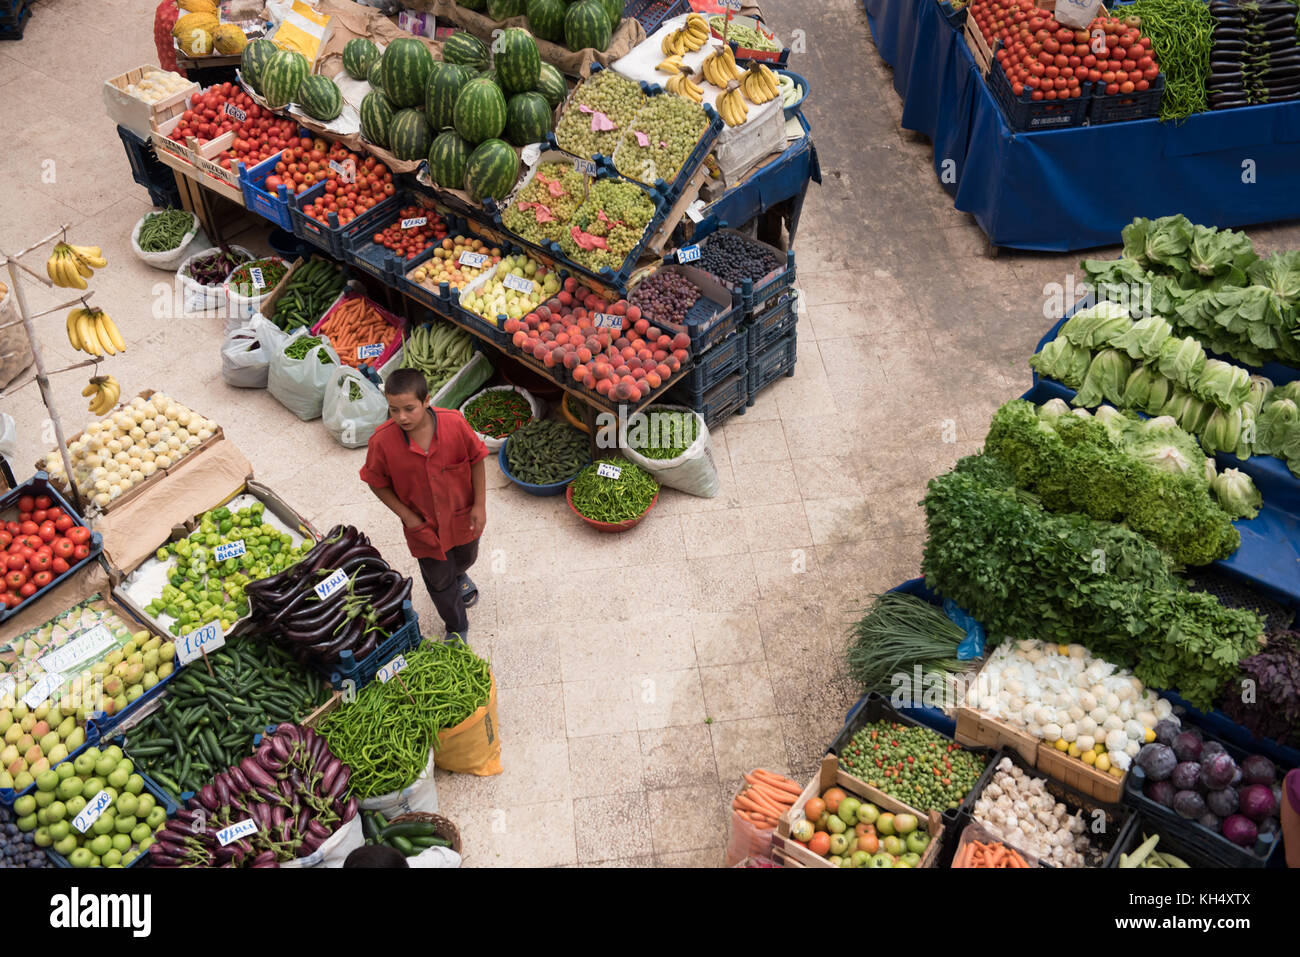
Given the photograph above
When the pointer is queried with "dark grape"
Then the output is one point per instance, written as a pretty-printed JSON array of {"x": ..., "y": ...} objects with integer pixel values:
[
  {"x": 734, "y": 258},
  {"x": 665, "y": 297}
]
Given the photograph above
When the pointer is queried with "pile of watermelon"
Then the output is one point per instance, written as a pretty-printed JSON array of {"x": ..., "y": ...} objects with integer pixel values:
[{"x": 282, "y": 77}]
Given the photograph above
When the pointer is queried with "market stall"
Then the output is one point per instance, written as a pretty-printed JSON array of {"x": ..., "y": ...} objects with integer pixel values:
[{"x": 1007, "y": 179}]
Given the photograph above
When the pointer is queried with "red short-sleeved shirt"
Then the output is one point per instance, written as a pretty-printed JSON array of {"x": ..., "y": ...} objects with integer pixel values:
[{"x": 435, "y": 483}]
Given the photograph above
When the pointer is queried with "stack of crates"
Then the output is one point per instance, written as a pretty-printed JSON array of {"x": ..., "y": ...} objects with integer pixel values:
[
  {"x": 149, "y": 171},
  {"x": 13, "y": 18},
  {"x": 771, "y": 314},
  {"x": 717, "y": 384}
]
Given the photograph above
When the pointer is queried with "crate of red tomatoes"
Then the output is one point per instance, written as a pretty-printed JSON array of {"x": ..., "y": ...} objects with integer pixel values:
[
  {"x": 330, "y": 199},
  {"x": 42, "y": 541},
  {"x": 1129, "y": 84},
  {"x": 399, "y": 231}
]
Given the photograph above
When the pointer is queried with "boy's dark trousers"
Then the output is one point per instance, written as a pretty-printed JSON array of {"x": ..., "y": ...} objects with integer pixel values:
[{"x": 441, "y": 577}]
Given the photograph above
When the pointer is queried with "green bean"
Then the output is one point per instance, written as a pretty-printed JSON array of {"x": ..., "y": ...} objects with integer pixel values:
[
  {"x": 163, "y": 231},
  {"x": 614, "y": 500},
  {"x": 1182, "y": 33}
]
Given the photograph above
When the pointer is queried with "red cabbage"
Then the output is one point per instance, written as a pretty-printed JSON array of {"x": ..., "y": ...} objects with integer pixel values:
[
  {"x": 1223, "y": 802},
  {"x": 1274, "y": 711},
  {"x": 1258, "y": 769},
  {"x": 1257, "y": 802},
  {"x": 1187, "y": 746},
  {"x": 1217, "y": 771},
  {"x": 1189, "y": 804},
  {"x": 1162, "y": 792},
  {"x": 1240, "y": 830},
  {"x": 1185, "y": 776}
]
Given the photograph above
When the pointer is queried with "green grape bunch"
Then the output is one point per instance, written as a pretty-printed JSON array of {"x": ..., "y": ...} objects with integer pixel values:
[
  {"x": 607, "y": 92},
  {"x": 672, "y": 127}
]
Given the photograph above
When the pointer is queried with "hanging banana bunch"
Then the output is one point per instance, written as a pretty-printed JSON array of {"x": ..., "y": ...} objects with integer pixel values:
[
  {"x": 104, "y": 392},
  {"x": 759, "y": 84},
  {"x": 719, "y": 68},
  {"x": 70, "y": 266},
  {"x": 93, "y": 332},
  {"x": 732, "y": 106}
]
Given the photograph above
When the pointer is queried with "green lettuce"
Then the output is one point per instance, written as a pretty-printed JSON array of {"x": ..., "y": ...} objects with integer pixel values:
[
  {"x": 1219, "y": 252},
  {"x": 1107, "y": 374},
  {"x": 1097, "y": 325},
  {"x": 1181, "y": 360},
  {"x": 1063, "y": 361},
  {"x": 1222, "y": 383},
  {"x": 1143, "y": 339},
  {"x": 1276, "y": 423},
  {"x": 1162, "y": 243},
  {"x": 1280, "y": 274},
  {"x": 1237, "y": 494},
  {"x": 1222, "y": 431},
  {"x": 1260, "y": 389}
]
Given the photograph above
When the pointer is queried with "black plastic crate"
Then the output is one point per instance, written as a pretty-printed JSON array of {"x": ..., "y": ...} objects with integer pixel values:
[
  {"x": 149, "y": 171},
  {"x": 432, "y": 298},
  {"x": 712, "y": 318},
  {"x": 651, "y": 13},
  {"x": 330, "y": 236},
  {"x": 773, "y": 325},
  {"x": 768, "y": 366},
  {"x": 1024, "y": 114},
  {"x": 1107, "y": 831},
  {"x": 357, "y": 238},
  {"x": 1118, "y": 107},
  {"x": 875, "y": 707},
  {"x": 1193, "y": 853},
  {"x": 711, "y": 367},
  {"x": 13, "y": 26},
  {"x": 755, "y": 293},
  {"x": 1214, "y": 846},
  {"x": 723, "y": 400}
]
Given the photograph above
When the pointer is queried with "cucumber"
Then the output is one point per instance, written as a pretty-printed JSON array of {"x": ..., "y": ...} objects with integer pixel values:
[
  {"x": 405, "y": 846},
  {"x": 408, "y": 829}
]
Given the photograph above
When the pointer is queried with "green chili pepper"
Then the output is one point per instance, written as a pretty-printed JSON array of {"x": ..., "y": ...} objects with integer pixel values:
[{"x": 613, "y": 500}]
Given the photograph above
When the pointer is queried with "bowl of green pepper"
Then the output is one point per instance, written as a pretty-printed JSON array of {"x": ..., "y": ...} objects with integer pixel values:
[{"x": 612, "y": 495}]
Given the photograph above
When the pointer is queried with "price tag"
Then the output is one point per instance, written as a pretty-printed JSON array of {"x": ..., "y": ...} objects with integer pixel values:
[
  {"x": 330, "y": 585},
  {"x": 233, "y": 833},
  {"x": 41, "y": 691},
  {"x": 696, "y": 211},
  {"x": 87, "y": 645},
  {"x": 231, "y": 550},
  {"x": 256, "y": 275},
  {"x": 605, "y": 470},
  {"x": 585, "y": 166},
  {"x": 518, "y": 282},
  {"x": 191, "y": 646},
  {"x": 7, "y": 686},
  {"x": 236, "y": 112},
  {"x": 473, "y": 260},
  {"x": 91, "y": 812},
  {"x": 688, "y": 254},
  {"x": 732, "y": 5},
  {"x": 387, "y": 672},
  {"x": 372, "y": 351},
  {"x": 414, "y": 221},
  {"x": 347, "y": 170},
  {"x": 605, "y": 320}
]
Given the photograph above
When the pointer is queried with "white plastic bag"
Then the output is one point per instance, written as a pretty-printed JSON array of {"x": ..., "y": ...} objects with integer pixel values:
[
  {"x": 244, "y": 361},
  {"x": 432, "y": 857},
  {"x": 242, "y": 308},
  {"x": 336, "y": 848},
  {"x": 693, "y": 472},
  {"x": 352, "y": 421},
  {"x": 200, "y": 298},
  {"x": 9, "y": 440},
  {"x": 494, "y": 444},
  {"x": 299, "y": 384},
  {"x": 194, "y": 241},
  {"x": 421, "y": 796}
]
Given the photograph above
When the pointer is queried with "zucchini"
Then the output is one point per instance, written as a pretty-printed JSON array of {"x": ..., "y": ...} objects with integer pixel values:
[
  {"x": 408, "y": 829},
  {"x": 403, "y": 845}
]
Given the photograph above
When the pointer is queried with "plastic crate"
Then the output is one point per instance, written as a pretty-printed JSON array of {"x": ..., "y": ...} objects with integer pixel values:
[
  {"x": 728, "y": 356},
  {"x": 13, "y": 26},
  {"x": 362, "y": 672},
  {"x": 1222, "y": 851},
  {"x": 272, "y": 206},
  {"x": 39, "y": 484},
  {"x": 1118, "y": 107},
  {"x": 360, "y": 249},
  {"x": 729, "y": 397},
  {"x": 149, "y": 171},
  {"x": 875, "y": 707},
  {"x": 714, "y": 316},
  {"x": 160, "y": 795},
  {"x": 651, "y": 13},
  {"x": 744, "y": 55},
  {"x": 756, "y": 294},
  {"x": 390, "y": 347},
  {"x": 768, "y": 366},
  {"x": 1025, "y": 114},
  {"x": 432, "y": 298},
  {"x": 956, "y": 16},
  {"x": 330, "y": 236},
  {"x": 1191, "y": 852},
  {"x": 773, "y": 325}
]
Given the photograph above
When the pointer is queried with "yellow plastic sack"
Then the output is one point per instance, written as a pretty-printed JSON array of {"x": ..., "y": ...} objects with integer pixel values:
[{"x": 473, "y": 746}]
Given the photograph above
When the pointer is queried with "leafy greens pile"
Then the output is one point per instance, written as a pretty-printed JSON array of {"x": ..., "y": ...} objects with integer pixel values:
[
  {"x": 1274, "y": 712},
  {"x": 1025, "y": 572}
]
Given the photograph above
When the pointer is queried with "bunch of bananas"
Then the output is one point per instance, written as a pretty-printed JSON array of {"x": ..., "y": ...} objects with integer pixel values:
[
  {"x": 69, "y": 264},
  {"x": 732, "y": 106},
  {"x": 759, "y": 84},
  {"x": 688, "y": 38},
  {"x": 719, "y": 68},
  {"x": 684, "y": 86},
  {"x": 93, "y": 332},
  {"x": 673, "y": 64},
  {"x": 104, "y": 392}
]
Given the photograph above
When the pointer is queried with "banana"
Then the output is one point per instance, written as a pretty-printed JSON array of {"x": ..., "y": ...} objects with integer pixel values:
[
  {"x": 92, "y": 253},
  {"x": 101, "y": 334},
  {"x": 686, "y": 87},
  {"x": 73, "y": 339},
  {"x": 86, "y": 333},
  {"x": 82, "y": 268},
  {"x": 67, "y": 269},
  {"x": 106, "y": 325},
  {"x": 105, "y": 390},
  {"x": 671, "y": 65},
  {"x": 666, "y": 44},
  {"x": 90, "y": 389}
]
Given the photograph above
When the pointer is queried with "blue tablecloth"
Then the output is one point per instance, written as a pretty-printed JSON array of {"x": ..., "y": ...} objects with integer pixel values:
[{"x": 1033, "y": 190}]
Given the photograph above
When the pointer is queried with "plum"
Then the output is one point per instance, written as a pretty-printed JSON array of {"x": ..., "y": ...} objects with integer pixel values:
[
  {"x": 1189, "y": 804},
  {"x": 1223, "y": 802},
  {"x": 1167, "y": 731},
  {"x": 1157, "y": 760},
  {"x": 1185, "y": 775},
  {"x": 1217, "y": 771},
  {"x": 1162, "y": 792},
  {"x": 1258, "y": 769},
  {"x": 1240, "y": 830},
  {"x": 1211, "y": 821},
  {"x": 1188, "y": 746}
]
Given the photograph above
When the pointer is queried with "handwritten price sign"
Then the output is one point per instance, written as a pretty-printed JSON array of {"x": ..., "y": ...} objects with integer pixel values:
[
  {"x": 256, "y": 275},
  {"x": 605, "y": 470},
  {"x": 585, "y": 166},
  {"x": 91, "y": 812},
  {"x": 330, "y": 585},
  {"x": 207, "y": 638},
  {"x": 87, "y": 645},
  {"x": 414, "y": 221},
  {"x": 235, "y": 113},
  {"x": 387, "y": 672},
  {"x": 230, "y": 550},
  {"x": 42, "y": 690},
  {"x": 518, "y": 283},
  {"x": 688, "y": 254},
  {"x": 347, "y": 170},
  {"x": 605, "y": 320},
  {"x": 233, "y": 833},
  {"x": 473, "y": 260}
]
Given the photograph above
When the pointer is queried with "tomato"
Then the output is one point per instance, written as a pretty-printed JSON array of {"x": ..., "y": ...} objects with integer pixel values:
[
  {"x": 1112, "y": 88},
  {"x": 59, "y": 565},
  {"x": 1039, "y": 95},
  {"x": 79, "y": 535},
  {"x": 41, "y": 579},
  {"x": 5, "y": 540},
  {"x": 1141, "y": 85},
  {"x": 63, "y": 548},
  {"x": 15, "y": 562},
  {"x": 81, "y": 551},
  {"x": 27, "y": 590},
  {"x": 29, "y": 527},
  {"x": 48, "y": 532},
  {"x": 15, "y": 579},
  {"x": 40, "y": 562}
]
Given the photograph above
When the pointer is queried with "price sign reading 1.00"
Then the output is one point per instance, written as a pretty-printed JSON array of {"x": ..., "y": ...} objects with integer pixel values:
[{"x": 192, "y": 646}]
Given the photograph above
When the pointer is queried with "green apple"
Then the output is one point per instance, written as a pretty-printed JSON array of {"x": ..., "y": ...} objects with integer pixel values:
[
  {"x": 834, "y": 861},
  {"x": 122, "y": 842},
  {"x": 127, "y": 803},
  {"x": 47, "y": 781},
  {"x": 65, "y": 845},
  {"x": 76, "y": 805},
  {"x": 25, "y": 805},
  {"x": 134, "y": 784},
  {"x": 156, "y": 817},
  {"x": 69, "y": 787},
  {"x": 100, "y": 844},
  {"x": 105, "y": 766},
  {"x": 84, "y": 763},
  {"x": 60, "y": 829},
  {"x": 42, "y": 837},
  {"x": 56, "y": 811},
  {"x": 140, "y": 832},
  {"x": 118, "y": 777},
  {"x": 23, "y": 780},
  {"x": 45, "y": 798},
  {"x": 91, "y": 787},
  {"x": 125, "y": 823},
  {"x": 112, "y": 858},
  {"x": 105, "y": 822},
  {"x": 81, "y": 857},
  {"x": 65, "y": 770}
]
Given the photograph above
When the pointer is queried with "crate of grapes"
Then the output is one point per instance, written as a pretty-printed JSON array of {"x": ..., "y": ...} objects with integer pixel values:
[
  {"x": 757, "y": 271},
  {"x": 679, "y": 299}
]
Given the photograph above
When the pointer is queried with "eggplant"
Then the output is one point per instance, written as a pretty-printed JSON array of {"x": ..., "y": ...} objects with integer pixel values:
[
  {"x": 350, "y": 809},
  {"x": 222, "y": 784},
  {"x": 278, "y": 815},
  {"x": 370, "y": 641},
  {"x": 207, "y": 797},
  {"x": 340, "y": 783},
  {"x": 318, "y": 830},
  {"x": 238, "y": 781},
  {"x": 266, "y": 859},
  {"x": 304, "y": 818},
  {"x": 256, "y": 774},
  {"x": 333, "y": 768}
]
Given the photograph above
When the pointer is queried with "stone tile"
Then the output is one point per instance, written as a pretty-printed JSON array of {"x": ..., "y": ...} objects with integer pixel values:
[
  {"x": 827, "y": 476},
  {"x": 750, "y": 442},
  {"x": 703, "y": 857},
  {"x": 741, "y": 746},
  {"x": 667, "y": 699},
  {"x": 686, "y": 819},
  {"x": 769, "y": 525},
  {"x": 598, "y": 707},
  {"x": 766, "y": 483},
  {"x": 723, "y": 638},
  {"x": 722, "y": 583},
  {"x": 612, "y": 823},
  {"x": 838, "y": 519},
  {"x": 605, "y": 764},
  {"x": 732, "y": 692},
  {"x": 521, "y": 835},
  {"x": 533, "y": 713},
  {"x": 713, "y": 534},
  {"x": 678, "y": 757}
]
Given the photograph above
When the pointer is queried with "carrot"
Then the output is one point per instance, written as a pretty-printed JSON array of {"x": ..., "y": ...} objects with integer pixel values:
[
  {"x": 779, "y": 782},
  {"x": 749, "y": 804},
  {"x": 759, "y": 803},
  {"x": 779, "y": 798},
  {"x": 766, "y": 799},
  {"x": 964, "y": 856}
]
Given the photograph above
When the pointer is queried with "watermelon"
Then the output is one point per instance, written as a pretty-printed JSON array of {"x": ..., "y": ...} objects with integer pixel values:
[
  {"x": 614, "y": 10},
  {"x": 466, "y": 49},
  {"x": 447, "y": 159},
  {"x": 319, "y": 98},
  {"x": 528, "y": 118},
  {"x": 546, "y": 19},
  {"x": 374, "y": 76},
  {"x": 282, "y": 76},
  {"x": 500, "y": 10},
  {"x": 490, "y": 76},
  {"x": 358, "y": 55},
  {"x": 253, "y": 62},
  {"x": 516, "y": 60},
  {"x": 376, "y": 117},
  {"x": 586, "y": 24},
  {"x": 445, "y": 83},
  {"x": 405, "y": 68},
  {"x": 551, "y": 84},
  {"x": 473, "y": 4},
  {"x": 480, "y": 112},
  {"x": 492, "y": 170},
  {"x": 409, "y": 135}
]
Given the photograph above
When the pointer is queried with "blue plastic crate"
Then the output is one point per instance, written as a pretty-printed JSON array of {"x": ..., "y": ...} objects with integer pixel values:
[
  {"x": 358, "y": 246},
  {"x": 956, "y": 16},
  {"x": 1118, "y": 107},
  {"x": 756, "y": 294},
  {"x": 711, "y": 367},
  {"x": 362, "y": 672},
  {"x": 150, "y": 172},
  {"x": 708, "y": 322},
  {"x": 772, "y": 325},
  {"x": 39, "y": 484},
  {"x": 272, "y": 206},
  {"x": 160, "y": 795},
  {"x": 15, "y": 24},
  {"x": 651, "y": 13},
  {"x": 1024, "y": 114},
  {"x": 729, "y": 397},
  {"x": 768, "y": 366}
]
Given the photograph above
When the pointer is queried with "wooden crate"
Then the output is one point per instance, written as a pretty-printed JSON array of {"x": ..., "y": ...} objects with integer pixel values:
[
  {"x": 204, "y": 173},
  {"x": 830, "y": 775},
  {"x": 331, "y": 704},
  {"x": 1101, "y": 785},
  {"x": 135, "y": 114},
  {"x": 976, "y": 727},
  {"x": 978, "y": 46}
]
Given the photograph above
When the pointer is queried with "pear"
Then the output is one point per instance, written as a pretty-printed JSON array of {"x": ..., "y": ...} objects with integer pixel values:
[
  {"x": 119, "y": 703},
  {"x": 34, "y": 754},
  {"x": 113, "y": 657},
  {"x": 6, "y": 720},
  {"x": 153, "y": 644},
  {"x": 149, "y": 680},
  {"x": 40, "y": 729},
  {"x": 120, "y": 669},
  {"x": 40, "y": 765},
  {"x": 48, "y": 742},
  {"x": 23, "y": 780},
  {"x": 165, "y": 669},
  {"x": 75, "y": 740},
  {"x": 9, "y": 755},
  {"x": 18, "y": 767},
  {"x": 167, "y": 652},
  {"x": 135, "y": 658},
  {"x": 26, "y": 743},
  {"x": 100, "y": 668},
  {"x": 134, "y": 673},
  {"x": 134, "y": 692},
  {"x": 58, "y": 753},
  {"x": 20, "y": 711},
  {"x": 113, "y": 685},
  {"x": 28, "y": 722},
  {"x": 68, "y": 702},
  {"x": 6, "y": 779},
  {"x": 41, "y": 711},
  {"x": 150, "y": 660},
  {"x": 66, "y": 726},
  {"x": 13, "y": 733}
]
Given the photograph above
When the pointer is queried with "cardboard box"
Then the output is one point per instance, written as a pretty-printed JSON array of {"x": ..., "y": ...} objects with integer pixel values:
[{"x": 136, "y": 115}]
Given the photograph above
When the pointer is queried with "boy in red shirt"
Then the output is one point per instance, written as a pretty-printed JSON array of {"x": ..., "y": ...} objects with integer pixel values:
[{"x": 426, "y": 465}]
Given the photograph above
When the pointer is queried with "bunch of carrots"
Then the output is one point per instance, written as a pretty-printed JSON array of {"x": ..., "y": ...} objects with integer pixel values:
[
  {"x": 766, "y": 797},
  {"x": 355, "y": 323},
  {"x": 992, "y": 854}
]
